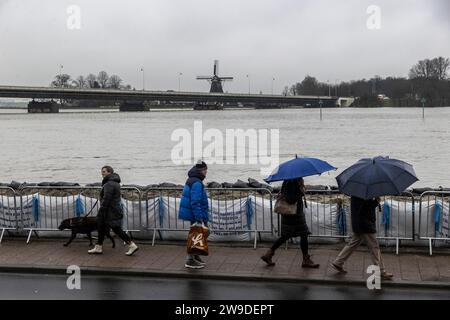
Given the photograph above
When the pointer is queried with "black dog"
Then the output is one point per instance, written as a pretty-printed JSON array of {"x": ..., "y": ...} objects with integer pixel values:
[{"x": 85, "y": 225}]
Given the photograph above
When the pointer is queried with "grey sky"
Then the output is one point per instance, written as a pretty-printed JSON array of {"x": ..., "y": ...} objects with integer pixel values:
[{"x": 285, "y": 39}]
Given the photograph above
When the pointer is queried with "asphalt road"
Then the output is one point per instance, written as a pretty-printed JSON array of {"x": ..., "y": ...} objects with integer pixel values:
[{"x": 39, "y": 286}]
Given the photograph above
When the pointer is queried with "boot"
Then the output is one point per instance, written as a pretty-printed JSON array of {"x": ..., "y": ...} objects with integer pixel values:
[
  {"x": 132, "y": 248},
  {"x": 267, "y": 258},
  {"x": 308, "y": 263},
  {"x": 96, "y": 250}
]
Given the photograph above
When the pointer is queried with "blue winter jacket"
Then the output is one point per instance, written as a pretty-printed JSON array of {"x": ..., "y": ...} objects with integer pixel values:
[{"x": 194, "y": 200}]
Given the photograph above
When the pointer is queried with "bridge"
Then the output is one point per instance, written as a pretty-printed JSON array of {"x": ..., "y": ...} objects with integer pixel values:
[{"x": 133, "y": 100}]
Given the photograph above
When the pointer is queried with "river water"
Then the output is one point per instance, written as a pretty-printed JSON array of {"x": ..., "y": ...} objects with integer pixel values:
[{"x": 73, "y": 146}]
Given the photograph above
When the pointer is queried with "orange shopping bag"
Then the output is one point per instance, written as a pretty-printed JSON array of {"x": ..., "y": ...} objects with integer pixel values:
[{"x": 197, "y": 242}]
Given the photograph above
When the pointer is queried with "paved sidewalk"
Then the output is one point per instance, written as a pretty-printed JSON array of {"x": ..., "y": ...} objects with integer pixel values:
[{"x": 49, "y": 256}]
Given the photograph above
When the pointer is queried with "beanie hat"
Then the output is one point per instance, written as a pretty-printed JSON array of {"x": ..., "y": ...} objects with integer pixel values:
[{"x": 201, "y": 165}]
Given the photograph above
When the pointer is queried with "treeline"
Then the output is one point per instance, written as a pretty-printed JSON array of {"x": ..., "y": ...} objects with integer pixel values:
[
  {"x": 91, "y": 81},
  {"x": 428, "y": 82}
]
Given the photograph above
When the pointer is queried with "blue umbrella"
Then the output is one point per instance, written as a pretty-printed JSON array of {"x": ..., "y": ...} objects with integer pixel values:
[
  {"x": 375, "y": 177},
  {"x": 299, "y": 168}
]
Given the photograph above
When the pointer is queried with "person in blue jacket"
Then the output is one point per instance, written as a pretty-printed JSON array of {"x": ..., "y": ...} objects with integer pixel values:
[{"x": 194, "y": 205}]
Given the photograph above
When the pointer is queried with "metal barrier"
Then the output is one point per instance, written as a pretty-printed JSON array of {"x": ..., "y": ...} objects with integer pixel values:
[
  {"x": 394, "y": 221},
  {"x": 328, "y": 216},
  {"x": 8, "y": 211},
  {"x": 434, "y": 217},
  {"x": 324, "y": 212},
  {"x": 232, "y": 211},
  {"x": 67, "y": 206}
]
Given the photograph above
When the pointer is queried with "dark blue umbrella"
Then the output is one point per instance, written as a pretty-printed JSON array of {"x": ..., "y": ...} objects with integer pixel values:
[
  {"x": 299, "y": 168},
  {"x": 375, "y": 177}
]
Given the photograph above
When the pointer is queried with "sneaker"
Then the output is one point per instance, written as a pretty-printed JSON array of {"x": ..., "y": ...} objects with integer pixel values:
[
  {"x": 199, "y": 260},
  {"x": 386, "y": 275},
  {"x": 132, "y": 248},
  {"x": 193, "y": 264},
  {"x": 96, "y": 250},
  {"x": 338, "y": 268}
]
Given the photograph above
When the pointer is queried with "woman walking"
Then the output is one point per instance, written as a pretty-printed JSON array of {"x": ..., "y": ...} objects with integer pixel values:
[{"x": 293, "y": 225}]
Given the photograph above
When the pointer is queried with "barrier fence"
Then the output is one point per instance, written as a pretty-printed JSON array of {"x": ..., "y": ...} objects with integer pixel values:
[
  {"x": 236, "y": 214},
  {"x": 8, "y": 211},
  {"x": 434, "y": 218},
  {"x": 44, "y": 208}
]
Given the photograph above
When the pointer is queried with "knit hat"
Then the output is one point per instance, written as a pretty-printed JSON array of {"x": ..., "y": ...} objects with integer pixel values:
[{"x": 201, "y": 165}]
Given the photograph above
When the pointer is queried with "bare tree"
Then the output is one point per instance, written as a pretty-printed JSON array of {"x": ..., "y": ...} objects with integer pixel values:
[
  {"x": 430, "y": 69},
  {"x": 441, "y": 66},
  {"x": 286, "y": 91},
  {"x": 102, "y": 79},
  {"x": 92, "y": 81},
  {"x": 61, "y": 81},
  {"x": 114, "y": 82},
  {"x": 80, "y": 82}
]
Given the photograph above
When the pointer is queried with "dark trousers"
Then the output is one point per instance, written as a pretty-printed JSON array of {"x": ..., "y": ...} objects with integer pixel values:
[
  {"x": 283, "y": 239},
  {"x": 103, "y": 227}
]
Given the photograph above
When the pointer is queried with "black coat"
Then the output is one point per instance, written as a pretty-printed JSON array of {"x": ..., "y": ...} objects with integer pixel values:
[
  {"x": 363, "y": 215},
  {"x": 295, "y": 225},
  {"x": 110, "y": 199}
]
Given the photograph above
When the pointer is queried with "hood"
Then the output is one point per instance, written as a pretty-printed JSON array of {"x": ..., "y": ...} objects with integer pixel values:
[
  {"x": 196, "y": 173},
  {"x": 112, "y": 177}
]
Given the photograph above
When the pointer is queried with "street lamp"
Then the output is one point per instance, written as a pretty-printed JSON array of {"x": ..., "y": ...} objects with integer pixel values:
[
  {"x": 179, "y": 80},
  {"x": 273, "y": 79},
  {"x": 248, "y": 77},
  {"x": 143, "y": 78},
  {"x": 60, "y": 74}
]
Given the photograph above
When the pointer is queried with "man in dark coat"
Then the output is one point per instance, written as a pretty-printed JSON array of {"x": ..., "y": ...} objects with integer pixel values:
[
  {"x": 110, "y": 214},
  {"x": 364, "y": 228},
  {"x": 293, "y": 226}
]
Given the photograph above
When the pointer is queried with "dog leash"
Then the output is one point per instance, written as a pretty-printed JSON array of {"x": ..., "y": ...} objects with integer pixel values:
[{"x": 95, "y": 204}]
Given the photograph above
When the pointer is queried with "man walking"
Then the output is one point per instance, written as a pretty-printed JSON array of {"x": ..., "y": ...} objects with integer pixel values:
[
  {"x": 194, "y": 206},
  {"x": 110, "y": 214},
  {"x": 364, "y": 228}
]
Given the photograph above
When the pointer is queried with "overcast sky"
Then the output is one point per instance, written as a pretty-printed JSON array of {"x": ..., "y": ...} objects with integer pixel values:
[{"x": 284, "y": 39}]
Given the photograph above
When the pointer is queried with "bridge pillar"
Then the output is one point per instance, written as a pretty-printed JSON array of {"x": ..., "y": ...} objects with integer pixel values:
[
  {"x": 133, "y": 106},
  {"x": 43, "y": 107}
]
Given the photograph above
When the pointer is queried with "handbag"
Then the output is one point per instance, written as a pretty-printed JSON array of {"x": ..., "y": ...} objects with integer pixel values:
[
  {"x": 197, "y": 243},
  {"x": 282, "y": 207}
]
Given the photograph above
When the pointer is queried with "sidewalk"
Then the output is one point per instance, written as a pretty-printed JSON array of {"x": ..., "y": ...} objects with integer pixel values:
[{"x": 234, "y": 263}]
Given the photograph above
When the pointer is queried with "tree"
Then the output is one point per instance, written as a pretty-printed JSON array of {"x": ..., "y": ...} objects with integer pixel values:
[
  {"x": 61, "y": 81},
  {"x": 309, "y": 86},
  {"x": 430, "y": 69},
  {"x": 80, "y": 82},
  {"x": 92, "y": 81},
  {"x": 441, "y": 65},
  {"x": 114, "y": 82},
  {"x": 286, "y": 91},
  {"x": 103, "y": 79}
]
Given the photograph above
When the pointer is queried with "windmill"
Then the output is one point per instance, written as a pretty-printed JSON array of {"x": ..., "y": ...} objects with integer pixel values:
[{"x": 215, "y": 80}]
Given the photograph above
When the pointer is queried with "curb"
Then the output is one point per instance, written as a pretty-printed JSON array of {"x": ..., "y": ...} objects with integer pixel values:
[{"x": 191, "y": 274}]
